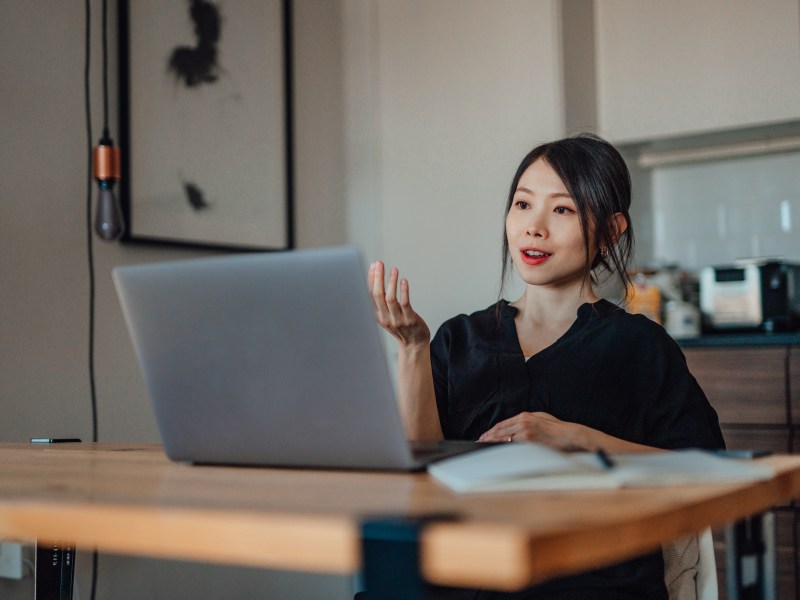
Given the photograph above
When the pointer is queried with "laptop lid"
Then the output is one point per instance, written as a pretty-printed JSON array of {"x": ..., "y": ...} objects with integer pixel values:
[{"x": 265, "y": 359}]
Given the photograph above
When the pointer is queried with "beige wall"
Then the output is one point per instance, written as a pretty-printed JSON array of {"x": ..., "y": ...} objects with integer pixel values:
[
  {"x": 44, "y": 386},
  {"x": 464, "y": 90},
  {"x": 43, "y": 249},
  {"x": 410, "y": 119}
]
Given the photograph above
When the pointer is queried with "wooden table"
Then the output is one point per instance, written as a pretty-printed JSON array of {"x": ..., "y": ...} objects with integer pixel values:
[{"x": 130, "y": 499}]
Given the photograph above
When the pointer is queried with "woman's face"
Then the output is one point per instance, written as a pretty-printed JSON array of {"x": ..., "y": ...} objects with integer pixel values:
[{"x": 544, "y": 231}]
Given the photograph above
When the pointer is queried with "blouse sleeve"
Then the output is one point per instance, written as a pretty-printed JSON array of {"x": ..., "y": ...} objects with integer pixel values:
[
  {"x": 679, "y": 415},
  {"x": 440, "y": 350}
]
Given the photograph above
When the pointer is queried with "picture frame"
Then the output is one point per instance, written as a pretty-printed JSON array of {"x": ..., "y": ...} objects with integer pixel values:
[{"x": 205, "y": 90}]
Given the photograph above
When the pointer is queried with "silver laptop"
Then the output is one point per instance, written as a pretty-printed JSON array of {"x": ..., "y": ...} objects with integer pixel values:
[{"x": 270, "y": 359}]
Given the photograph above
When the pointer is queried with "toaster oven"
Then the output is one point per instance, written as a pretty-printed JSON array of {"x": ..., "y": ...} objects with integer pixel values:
[{"x": 763, "y": 294}]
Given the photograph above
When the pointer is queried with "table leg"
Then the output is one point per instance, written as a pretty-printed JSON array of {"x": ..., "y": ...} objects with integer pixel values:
[
  {"x": 55, "y": 571},
  {"x": 391, "y": 557},
  {"x": 751, "y": 559}
]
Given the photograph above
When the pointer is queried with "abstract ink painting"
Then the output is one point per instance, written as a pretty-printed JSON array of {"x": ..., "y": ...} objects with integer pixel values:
[
  {"x": 197, "y": 64},
  {"x": 204, "y": 110}
]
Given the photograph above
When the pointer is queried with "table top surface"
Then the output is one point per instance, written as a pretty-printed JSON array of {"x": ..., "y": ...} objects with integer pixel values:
[{"x": 130, "y": 499}]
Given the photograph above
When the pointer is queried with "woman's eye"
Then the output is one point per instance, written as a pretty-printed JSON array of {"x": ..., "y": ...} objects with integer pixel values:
[
  {"x": 564, "y": 210},
  {"x": 521, "y": 204}
]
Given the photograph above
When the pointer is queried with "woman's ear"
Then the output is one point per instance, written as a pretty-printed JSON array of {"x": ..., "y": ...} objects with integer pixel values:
[{"x": 619, "y": 225}]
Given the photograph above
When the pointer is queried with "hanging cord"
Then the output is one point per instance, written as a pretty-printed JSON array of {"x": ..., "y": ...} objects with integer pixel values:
[
  {"x": 89, "y": 233},
  {"x": 106, "y": 133}
]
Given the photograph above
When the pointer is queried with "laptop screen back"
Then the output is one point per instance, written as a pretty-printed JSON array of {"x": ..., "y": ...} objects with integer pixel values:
[{"x": 265, "y": 359}]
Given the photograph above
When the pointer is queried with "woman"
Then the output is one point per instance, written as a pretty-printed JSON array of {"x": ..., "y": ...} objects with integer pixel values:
[{"x": 559, "y": 365}]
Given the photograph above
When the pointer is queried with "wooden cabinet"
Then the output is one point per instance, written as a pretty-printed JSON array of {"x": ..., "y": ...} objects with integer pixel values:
[
  {"x": 777, "y": 440},
  {"x": 684, "y": 67},
  {"x": 745, "y": 385},
  {"x": 756, "y": 393},
  {"x": 794, "y": 390}
]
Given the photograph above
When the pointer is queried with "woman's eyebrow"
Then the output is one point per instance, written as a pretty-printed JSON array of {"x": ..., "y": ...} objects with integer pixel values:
[{"x": 553, "y": 195}]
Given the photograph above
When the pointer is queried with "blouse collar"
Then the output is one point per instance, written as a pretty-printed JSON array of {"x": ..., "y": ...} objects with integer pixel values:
[{"x": 585, "y": 310}]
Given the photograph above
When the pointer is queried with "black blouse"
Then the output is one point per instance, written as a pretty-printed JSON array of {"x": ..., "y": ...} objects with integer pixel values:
[
  {"x": 616, "y": 372},
  {"x": 612, "y": 371}
]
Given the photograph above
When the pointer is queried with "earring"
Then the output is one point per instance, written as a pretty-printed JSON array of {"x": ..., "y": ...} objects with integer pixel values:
[{"x": 604, "y": 252}]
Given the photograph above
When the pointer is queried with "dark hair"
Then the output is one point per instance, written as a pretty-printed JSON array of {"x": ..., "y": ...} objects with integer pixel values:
[{"x": 599, "y": 182}]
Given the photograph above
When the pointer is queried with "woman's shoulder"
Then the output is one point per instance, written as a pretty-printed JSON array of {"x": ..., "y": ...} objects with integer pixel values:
[
  {"x": 490, "y": 316},
  {"x": 632, "y": 327},
  {"x": 481, "y": 324},
  {"x": 482, "y": 315}
]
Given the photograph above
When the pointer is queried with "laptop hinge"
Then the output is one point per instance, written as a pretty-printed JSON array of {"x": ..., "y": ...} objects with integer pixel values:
[{"x": 390, "y": 553}]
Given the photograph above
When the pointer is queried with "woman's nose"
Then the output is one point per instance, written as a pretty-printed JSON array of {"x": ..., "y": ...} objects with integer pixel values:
[{"x": 537, "y": 225}]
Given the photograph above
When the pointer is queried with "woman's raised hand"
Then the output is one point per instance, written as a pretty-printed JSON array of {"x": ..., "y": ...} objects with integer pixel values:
[{"x": 393, "y": 308}]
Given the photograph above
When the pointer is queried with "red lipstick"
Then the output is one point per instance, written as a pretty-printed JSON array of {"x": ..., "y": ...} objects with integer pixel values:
[{"x": 534, "y": 256}]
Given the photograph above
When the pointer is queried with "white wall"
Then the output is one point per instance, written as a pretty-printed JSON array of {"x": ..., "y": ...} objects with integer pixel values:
[
  {"x": 465, "y": 88},
  {"x": 410, "y": 120}
]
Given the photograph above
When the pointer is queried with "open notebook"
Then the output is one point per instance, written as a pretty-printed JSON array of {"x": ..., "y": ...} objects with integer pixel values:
[{"x": 529, "y": 466}]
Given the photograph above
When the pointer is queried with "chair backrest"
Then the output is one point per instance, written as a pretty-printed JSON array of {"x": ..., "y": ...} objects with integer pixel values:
[
  {"x": 707, "y": 568},
  {"x": 690, "y": 568}
]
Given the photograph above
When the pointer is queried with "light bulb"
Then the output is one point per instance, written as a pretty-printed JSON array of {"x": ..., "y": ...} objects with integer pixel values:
[{"x": 108, "y": 223}]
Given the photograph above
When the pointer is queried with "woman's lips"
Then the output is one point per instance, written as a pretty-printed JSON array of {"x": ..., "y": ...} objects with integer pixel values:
[{"x": 533, "y": 256}]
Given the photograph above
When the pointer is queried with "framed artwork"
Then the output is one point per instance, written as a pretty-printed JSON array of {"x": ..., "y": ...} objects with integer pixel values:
[{"x": 205, "y": 122}]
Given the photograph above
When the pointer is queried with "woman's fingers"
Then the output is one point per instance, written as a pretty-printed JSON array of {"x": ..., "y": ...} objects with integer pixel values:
[
  {"x": 496, "y": 435},
  {"x": 402, "y": 297},
  {"x": 501, "y": 431},
  {"x": 392, "y": 299},
  {"x": 538, "y": 427},
  {"x": 391, "y": 289},
  {"x": 520, "y": 427},
  {"x": 393, "y": 306},
  {"x": 384, "y": 297},
  {"x": 378, "y": 292},
  {"x": 370, "y": 277},
  {"x": 395, "y": 311}
]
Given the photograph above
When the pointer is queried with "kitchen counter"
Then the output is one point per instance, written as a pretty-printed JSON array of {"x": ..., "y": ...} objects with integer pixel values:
[{"x": 742, "y": 338}]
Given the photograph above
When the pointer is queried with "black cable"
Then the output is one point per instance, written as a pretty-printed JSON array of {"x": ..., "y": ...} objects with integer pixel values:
[
  {"x": 89, "y": 235},
  {"x": 105, "y": 70},
  {"x": 89, "y": 231},
  {"x": 288, "y": 69},
  {"x": 90, "y": 238},
  {"x": 94, "y": 575}
]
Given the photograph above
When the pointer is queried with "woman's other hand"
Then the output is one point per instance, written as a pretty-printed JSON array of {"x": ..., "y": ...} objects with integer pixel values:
[
  {"x": 542, "y": 428},
  {"x": 393, "y": 307}
]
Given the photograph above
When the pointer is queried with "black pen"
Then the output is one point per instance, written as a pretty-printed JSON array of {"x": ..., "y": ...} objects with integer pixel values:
[
  {"x": 604, "y": 458},
  {"x": 54, "y": 440}
]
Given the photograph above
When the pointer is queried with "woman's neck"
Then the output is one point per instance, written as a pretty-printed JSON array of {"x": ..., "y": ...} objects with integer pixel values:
[
  {"x": 548, "y": 306},
  {"x": 546, "y": 314}
]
